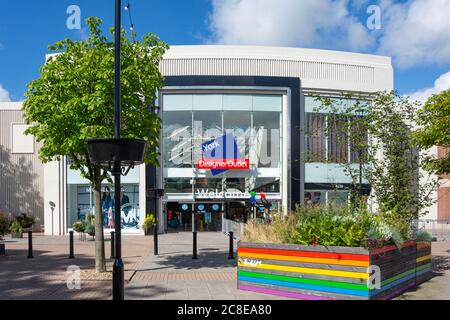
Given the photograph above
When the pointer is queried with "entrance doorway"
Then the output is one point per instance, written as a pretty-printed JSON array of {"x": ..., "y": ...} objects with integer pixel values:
[{"x": 207, "y": 216}]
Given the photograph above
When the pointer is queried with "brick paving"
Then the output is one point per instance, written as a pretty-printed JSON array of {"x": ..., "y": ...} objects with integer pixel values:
[{"x": 173, "y": 274}]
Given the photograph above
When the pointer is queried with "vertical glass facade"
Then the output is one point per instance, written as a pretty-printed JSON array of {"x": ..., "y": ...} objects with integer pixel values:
[
  {"x": 329, "y": 145},
  {"x": 80, "y": 201},
  {"x": 254, "y": 121}
]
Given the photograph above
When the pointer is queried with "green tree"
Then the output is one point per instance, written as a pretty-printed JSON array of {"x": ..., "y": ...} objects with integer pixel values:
[
  {"x": 433, "y": 120},
  {"x": 381, "y": 126},
  {"x": 73, "y": 101}
]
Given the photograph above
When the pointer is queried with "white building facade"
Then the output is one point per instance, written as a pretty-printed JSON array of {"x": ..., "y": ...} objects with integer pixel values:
[{"x": 258, "y": 101}]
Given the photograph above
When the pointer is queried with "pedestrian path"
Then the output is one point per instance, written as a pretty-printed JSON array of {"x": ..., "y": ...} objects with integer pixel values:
[{"x": 173, "y": 274}]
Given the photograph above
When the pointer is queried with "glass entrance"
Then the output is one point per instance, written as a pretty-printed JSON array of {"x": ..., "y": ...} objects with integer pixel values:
[{"x": 207, "y": 216}]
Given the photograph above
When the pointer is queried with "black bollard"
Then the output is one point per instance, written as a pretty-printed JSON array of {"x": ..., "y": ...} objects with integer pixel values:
[
  {"x": 112, "y": 245},
  {"x": 231, "y": 251},
  {"x": 194, "y": 245},
  {"x": 71, "y": 255},
  {"x": 30, "y": 244},
  {"x": 155, "y": 240}
]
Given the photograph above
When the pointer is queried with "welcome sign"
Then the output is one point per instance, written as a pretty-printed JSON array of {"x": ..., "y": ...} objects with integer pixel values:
[{"x": 222, "y": 154}]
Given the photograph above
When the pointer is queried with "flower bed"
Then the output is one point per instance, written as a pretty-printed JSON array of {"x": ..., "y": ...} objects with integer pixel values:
[{"x": 322, "y": 273}]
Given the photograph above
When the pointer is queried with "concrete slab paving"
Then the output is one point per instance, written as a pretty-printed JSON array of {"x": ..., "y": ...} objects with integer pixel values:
[{"x": 173, "y": 274}]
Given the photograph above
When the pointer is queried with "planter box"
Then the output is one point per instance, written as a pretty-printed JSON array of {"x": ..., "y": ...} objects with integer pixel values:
[
  {"x": 423, "y": 262},
  {"x": 322, "y": 273}
]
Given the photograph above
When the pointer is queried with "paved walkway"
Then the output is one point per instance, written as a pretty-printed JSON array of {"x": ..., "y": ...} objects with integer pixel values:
[
  {"x": 173, "y": 274},
  {"x": 438, "y": 287}
]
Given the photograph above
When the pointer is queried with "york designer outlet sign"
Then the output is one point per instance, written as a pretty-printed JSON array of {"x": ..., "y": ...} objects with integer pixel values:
[{"x": 222, "y": 154}]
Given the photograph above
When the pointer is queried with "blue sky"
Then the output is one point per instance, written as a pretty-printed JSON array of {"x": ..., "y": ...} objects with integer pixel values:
[{"x": 414, "y": 32}]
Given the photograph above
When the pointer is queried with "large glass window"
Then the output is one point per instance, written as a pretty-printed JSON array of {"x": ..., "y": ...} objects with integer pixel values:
[
  {"x": 336, "y": 197},
  {"x": 178, "y": 185},
  {"x": 207, "y": 126},
  {"x": 334, "y": 138},
  {"x": 266, "y": 142},
  {"x": 316, "y": 137},
  {"x": 208, "y": 183},
  {"x": 80, "y": 204},
  {"x": 268, "y": 185},
  {"x": 235, "y": 185},
  {"x": 189, "y": 120},
  {"x": 238, "y": 123},
  {"x": 338, "y": 143},
  {"x": 177, "y": 131}
]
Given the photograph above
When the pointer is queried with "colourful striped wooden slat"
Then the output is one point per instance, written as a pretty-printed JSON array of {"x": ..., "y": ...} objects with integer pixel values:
[
  {"x": 385, "y": 249},
  {"x": 423, "y": 245},
  {"x": 316, "y": 282},
  {"x": 312, "y": 254},
  {"x": 331, "y": 272},
  {"x": 288, "y": 284},
  {"x": 327, "y": 272},
  {"x": 355, "y": 263},
  {"x": 424, "y": 258},
  {"x": 282, "y": 293}
]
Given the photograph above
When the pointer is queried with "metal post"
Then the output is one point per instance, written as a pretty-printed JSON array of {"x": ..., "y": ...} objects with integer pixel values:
[
  {"x": 112, "y": 244},
  {"x": 30, "y": 244},
  {"x": 155, "y": 239},
  {"x": 194, "y": 245},
  {"x": 118, "y": 268},
  {"x": 231, "y": 251},
  {"x": 71, "y": 255}
]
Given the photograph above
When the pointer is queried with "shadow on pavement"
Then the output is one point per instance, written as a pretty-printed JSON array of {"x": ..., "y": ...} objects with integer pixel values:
[
  {"x": 45, "y": 277},
  {"x": 213, "y": 260}
]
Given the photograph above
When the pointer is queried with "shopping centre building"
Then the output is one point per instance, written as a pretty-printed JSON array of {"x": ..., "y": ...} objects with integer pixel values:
[{"x": 234, "y": 141}]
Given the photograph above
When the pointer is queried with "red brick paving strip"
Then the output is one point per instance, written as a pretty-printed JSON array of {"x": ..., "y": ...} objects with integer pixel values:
[{"x": 184, "y": 276}]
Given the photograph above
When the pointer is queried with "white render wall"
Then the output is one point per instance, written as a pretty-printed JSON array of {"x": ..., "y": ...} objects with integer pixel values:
[
  {"x": 317, "y": 69},
  {"x": 321, "y": 70}
]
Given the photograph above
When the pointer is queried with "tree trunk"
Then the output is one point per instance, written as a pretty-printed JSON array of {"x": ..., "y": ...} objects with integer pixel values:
[{"x": 100, "y": 262}]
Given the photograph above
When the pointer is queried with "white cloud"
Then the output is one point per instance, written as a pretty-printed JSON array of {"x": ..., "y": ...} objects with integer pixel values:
[
  {"x": 4, "y": 95},
  {"x": 307, "y": 23},
  {"x": 416, "y": 32},
  {"x": 413, "y": 32},
  {"x": 442, "y": 83}
]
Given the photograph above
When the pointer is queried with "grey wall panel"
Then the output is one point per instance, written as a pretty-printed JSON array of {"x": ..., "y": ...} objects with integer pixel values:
[{"x": 21, "y": 175}]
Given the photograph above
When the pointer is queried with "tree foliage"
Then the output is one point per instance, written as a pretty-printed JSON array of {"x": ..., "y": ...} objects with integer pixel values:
[
  {"x": 381, "y": 126},
  {"x": 433, "y": 120},
  {"x": 73, "y": 101}
]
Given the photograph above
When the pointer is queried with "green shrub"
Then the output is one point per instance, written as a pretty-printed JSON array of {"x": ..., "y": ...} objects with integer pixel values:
[
  {"x": 26, "y": 221},
  {"x": 330, "y": 226},
  {"x": 90, "y": 229},
  {"x": 79, "y": 226},
  {"x": 327, "y": 225},
  {"x": 90, "y": 218},
  {"x": 149, "y": 222},
  {"x": 422, "y": 236},
  {"x": 15, "y": 226},
  {"x": 280, "y": 230}
]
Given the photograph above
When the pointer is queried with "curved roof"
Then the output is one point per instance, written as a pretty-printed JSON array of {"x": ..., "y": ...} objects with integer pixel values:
[{"x": 317, "y": 69}]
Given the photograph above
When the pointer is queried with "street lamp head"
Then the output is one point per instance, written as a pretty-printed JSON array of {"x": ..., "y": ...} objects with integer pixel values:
[{"x": 126, "y": 152}]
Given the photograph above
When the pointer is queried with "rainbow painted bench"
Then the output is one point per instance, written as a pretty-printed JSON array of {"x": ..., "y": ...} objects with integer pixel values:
[{"x": 323, "y": 273}]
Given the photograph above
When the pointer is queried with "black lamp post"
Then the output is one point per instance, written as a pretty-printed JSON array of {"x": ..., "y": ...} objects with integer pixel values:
[{"x": 117, "y": 154}]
